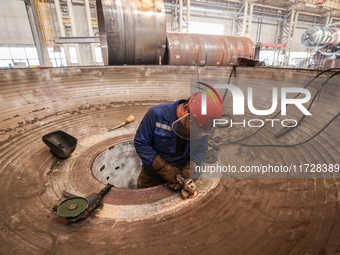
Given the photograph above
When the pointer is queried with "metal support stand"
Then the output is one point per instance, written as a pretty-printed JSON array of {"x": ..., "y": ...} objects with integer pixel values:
[{"x": 38, "y": 33}]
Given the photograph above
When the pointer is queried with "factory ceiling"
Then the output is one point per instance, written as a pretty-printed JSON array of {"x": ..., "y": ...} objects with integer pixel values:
[{"x": 319, "y": 7}]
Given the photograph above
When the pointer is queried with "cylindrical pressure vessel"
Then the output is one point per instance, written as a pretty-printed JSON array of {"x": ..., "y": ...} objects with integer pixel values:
[
  {"x": 321, "y": 36},
  {"x": 206, "y": 50},
  {"x": 131, "y": 32}
]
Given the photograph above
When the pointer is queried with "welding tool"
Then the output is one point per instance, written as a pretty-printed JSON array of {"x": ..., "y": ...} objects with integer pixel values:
[
  {"x": 189, "y": 188},
  {"x": 76, "y": 208},
  {"x": 130, "y": 119}
]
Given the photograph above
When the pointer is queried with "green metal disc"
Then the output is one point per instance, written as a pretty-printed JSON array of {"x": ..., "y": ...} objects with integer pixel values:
[{"x": 72, "y": 207}]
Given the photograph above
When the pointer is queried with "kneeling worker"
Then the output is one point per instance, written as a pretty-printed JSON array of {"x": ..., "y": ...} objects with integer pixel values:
[{"x": 171, "y": 136}]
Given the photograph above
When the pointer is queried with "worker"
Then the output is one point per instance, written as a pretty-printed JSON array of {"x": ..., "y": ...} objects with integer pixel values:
[{"x": 171, "y": 138}]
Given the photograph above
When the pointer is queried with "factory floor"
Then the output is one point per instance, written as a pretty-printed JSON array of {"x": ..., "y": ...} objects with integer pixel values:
[{"x": 234, "y": 213}]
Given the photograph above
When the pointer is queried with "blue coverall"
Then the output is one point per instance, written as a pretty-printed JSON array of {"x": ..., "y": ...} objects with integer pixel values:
[{"x": 154, "y": 137}]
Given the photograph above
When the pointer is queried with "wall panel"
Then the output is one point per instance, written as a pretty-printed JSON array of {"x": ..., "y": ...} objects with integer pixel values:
[{"x": 15, "y": 29}]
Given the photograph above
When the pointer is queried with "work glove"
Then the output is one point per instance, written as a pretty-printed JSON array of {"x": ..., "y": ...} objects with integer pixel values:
[
  {"x": 175, "y": 186},
  {"x": 186, "y": 169},
  {"x": 166, "y": 171}
]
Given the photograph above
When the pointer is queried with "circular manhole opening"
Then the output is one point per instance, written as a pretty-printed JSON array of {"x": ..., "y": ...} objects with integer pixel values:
[{"x": 118, "y": 165}]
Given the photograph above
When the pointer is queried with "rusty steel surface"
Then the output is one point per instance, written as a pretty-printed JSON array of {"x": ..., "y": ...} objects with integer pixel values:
[
  {"x": 131, "y": 32},
  {"x": 235, "y": 216},
  {"x": 207, "y": 50}
]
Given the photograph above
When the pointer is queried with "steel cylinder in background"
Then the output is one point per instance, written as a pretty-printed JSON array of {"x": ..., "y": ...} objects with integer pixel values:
[
  {"x": 206, "y": 50},
  {"x": 131, "y": 32},
  {"x": 321, "y": 36}
]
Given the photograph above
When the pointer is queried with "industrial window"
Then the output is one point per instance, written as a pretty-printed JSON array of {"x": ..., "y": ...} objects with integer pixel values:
[
  {"x": 206, "y": 28},
  {"x": 32, "y": 56},
  {"x": 6, "y": 60},
  {"x": 98, "y": 53},
  {"x": 269, "y": 57},
  {"x": 299, "y": 60},
  {"x": 57, "y": 56},
  {"x": 20, "y": 57},
  {"x": 73, "y": 55}
]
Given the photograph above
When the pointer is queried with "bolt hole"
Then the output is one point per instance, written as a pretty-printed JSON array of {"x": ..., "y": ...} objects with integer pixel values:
[
  {"x": 102, "y": 168},
  {"x": 117, "y": 167},
  {"x": 107, "y": 177}
]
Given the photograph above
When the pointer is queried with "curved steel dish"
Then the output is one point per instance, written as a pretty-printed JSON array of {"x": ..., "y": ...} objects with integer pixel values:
[{"x": 131, "y": 32}]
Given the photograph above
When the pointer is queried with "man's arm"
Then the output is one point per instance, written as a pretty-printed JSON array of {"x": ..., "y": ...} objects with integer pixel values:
[
  {"x": 144, "y": 137},
  {"x": 143, "y": 145}
]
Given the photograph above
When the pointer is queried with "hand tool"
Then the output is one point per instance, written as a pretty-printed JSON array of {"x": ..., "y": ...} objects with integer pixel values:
[
  {"x": 130, "y": 119},
  {"x": 76, "y": 208},
  {"x": 189, "y": 188}
]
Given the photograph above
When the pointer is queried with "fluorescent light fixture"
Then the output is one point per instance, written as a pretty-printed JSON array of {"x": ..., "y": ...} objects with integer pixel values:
[
  {"x": 327, "y": 8},
  {"x": 310, "y": 5}
]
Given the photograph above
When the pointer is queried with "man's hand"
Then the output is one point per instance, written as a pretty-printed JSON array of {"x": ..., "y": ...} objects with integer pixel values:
[
  {"x": 186, "y": 169},
  {"x": 175, "y": 186},
  {"x": 166, "y": 171}
]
